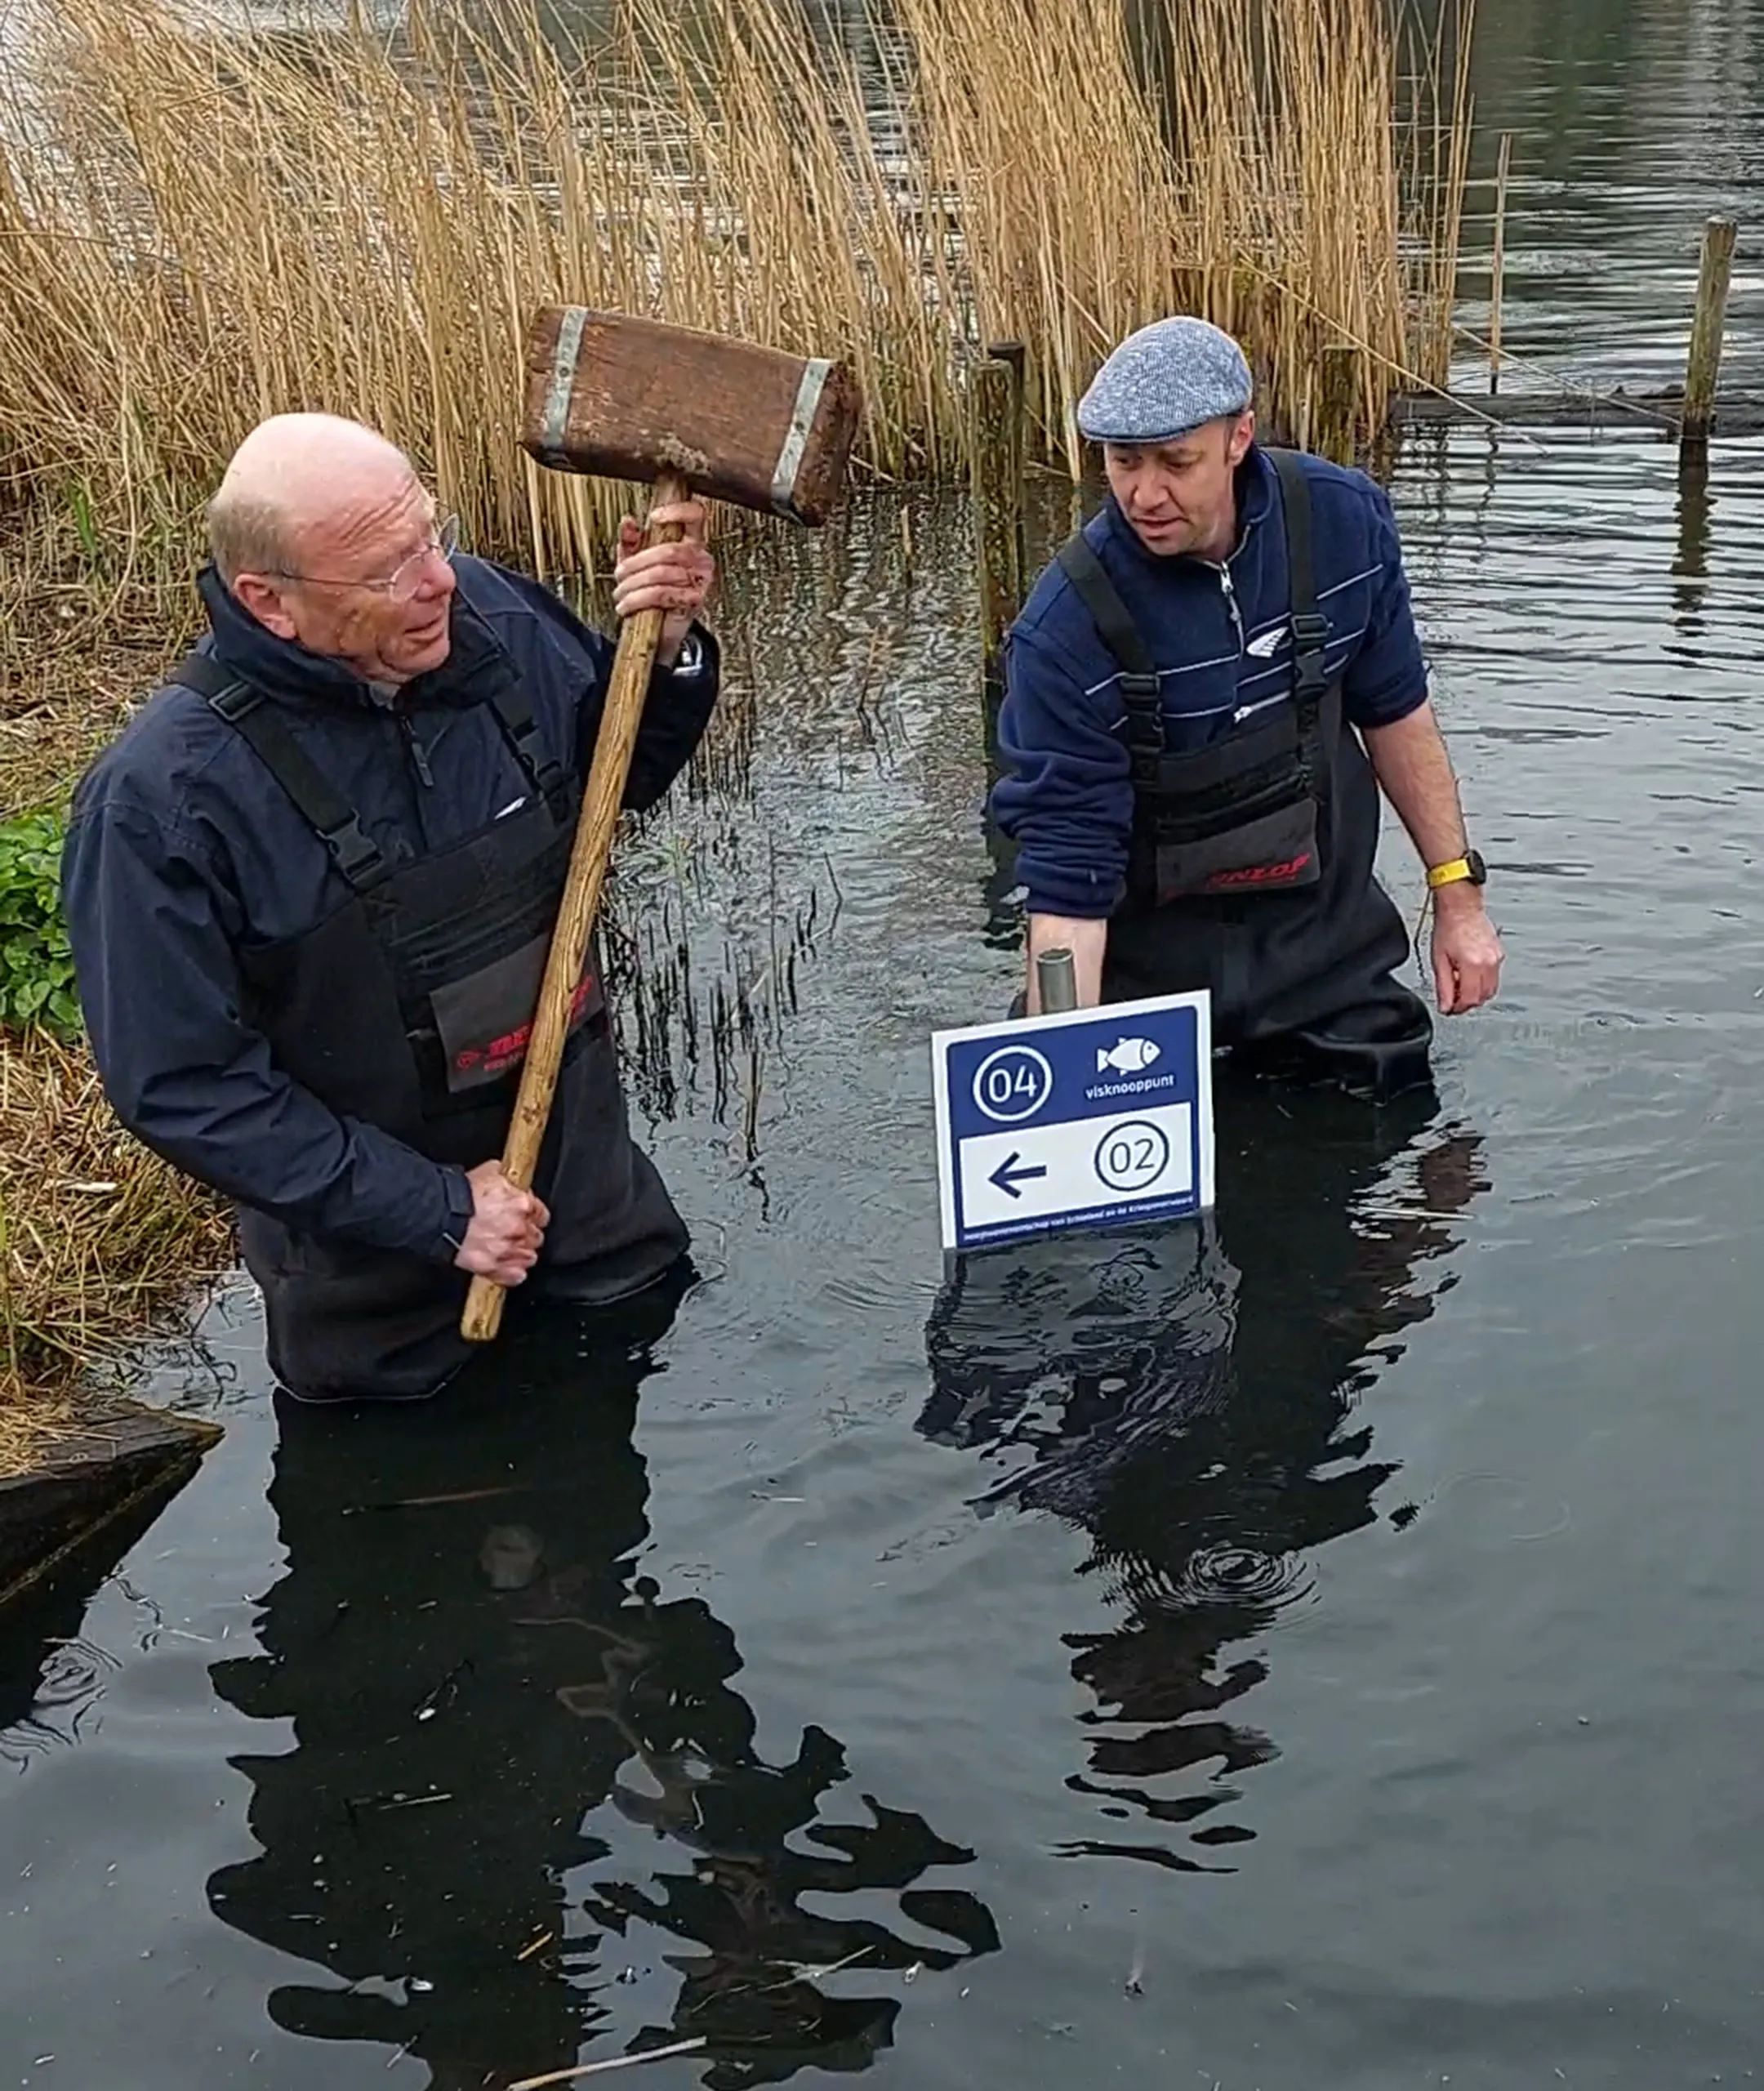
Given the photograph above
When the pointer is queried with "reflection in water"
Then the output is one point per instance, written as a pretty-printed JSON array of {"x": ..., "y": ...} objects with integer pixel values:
[
  {"x": 1187, "y": 1393},
  {"x": 1691, "y": 565},
  {"x": 472, "y": 1670},
  {"x": 53, "y": 1676}
]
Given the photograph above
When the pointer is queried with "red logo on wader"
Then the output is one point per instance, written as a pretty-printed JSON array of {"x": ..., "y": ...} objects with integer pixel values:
[
  {"x": 1261, "y": 874},
  {"x": 508, "y": 1051}
]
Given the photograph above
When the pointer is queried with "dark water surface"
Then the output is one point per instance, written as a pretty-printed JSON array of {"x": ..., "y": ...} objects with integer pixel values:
[{"x": 1317, "y": 1648}]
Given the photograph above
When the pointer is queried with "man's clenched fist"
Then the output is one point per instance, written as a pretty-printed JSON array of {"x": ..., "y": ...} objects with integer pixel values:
[{"x": 507, "y": 1227}]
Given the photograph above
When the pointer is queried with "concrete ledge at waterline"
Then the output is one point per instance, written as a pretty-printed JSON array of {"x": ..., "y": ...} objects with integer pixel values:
[{"x": 110, "y": 1460}]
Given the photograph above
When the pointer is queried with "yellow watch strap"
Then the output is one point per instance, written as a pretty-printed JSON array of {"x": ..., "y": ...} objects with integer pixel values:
[{"x": 1440, "y": 875}]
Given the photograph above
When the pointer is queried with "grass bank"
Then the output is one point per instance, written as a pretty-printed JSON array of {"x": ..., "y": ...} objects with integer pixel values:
[
  {"x": 199, "y": 225},
  {"x": 100, "y": 1243}
]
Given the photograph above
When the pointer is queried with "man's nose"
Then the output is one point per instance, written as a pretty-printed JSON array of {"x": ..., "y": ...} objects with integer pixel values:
[{"x": 439, "y": 579}]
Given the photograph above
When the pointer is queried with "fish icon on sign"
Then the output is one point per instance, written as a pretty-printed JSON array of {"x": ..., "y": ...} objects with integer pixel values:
[{"x": 1127, "y": 1056}]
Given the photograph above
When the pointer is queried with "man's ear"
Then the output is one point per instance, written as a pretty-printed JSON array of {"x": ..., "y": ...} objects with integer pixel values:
[
  {"x": 262, "y": 596},
  {"x": 1242, "y": 436}
]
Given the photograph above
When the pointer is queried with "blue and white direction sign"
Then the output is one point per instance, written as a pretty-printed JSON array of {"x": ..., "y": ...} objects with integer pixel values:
[{"x": 1076, "y": 1120}]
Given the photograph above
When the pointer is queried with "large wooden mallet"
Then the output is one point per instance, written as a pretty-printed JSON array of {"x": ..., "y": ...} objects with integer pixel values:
[{"x": 688, "y": 413}]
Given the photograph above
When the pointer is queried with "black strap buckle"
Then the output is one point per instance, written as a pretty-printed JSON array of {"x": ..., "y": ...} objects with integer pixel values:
[
  {"x": 234, "y": 701},
  {"x": 1310, "y": 633},
  {"x": 353, "y": 851}
]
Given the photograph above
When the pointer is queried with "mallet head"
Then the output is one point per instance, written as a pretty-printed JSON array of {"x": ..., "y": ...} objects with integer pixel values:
[{"x": 627, "y": 399}]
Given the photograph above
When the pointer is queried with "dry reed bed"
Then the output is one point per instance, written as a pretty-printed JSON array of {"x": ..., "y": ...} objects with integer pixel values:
[
  {"x": 203, "y": 227},
  {"x": 199, "y": 227}
]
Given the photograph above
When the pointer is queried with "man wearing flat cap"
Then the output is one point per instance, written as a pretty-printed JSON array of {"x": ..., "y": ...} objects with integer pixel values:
[{"x": 1205, "y": 692}]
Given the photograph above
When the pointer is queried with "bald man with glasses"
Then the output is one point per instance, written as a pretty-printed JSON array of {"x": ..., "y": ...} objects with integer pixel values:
[{"x": 311, "y": 888}]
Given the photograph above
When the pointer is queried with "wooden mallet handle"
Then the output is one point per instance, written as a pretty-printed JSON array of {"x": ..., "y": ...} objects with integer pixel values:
[{"x": 632, "y": 666}]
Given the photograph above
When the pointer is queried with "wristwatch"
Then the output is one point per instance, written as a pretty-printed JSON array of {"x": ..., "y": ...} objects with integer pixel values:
[
  {"x": 691, "y": 656},
  {"x": 1469, "y": 866}
]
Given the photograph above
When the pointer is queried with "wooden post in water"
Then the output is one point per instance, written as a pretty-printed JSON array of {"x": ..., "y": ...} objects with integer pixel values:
[
  {"x": 1498, "y": 265},
  {"x": 1703, "y": 368},
  {"x": 1011, "y": 354},
  {"x": 1690, "y": 570},
  {"x": 1339, "y": 389},
  {"x": 996, "y": 480}
]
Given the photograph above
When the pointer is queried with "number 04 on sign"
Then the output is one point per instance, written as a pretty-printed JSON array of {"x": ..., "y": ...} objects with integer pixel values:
[{"x": 1088, "y": 1118}]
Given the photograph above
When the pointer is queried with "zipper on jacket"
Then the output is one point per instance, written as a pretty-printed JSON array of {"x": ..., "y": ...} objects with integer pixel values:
[
  {"x": 1231, "y": 605},
  {"x": 1229, "y": 590},
  {"x": 415, "y": 746}
]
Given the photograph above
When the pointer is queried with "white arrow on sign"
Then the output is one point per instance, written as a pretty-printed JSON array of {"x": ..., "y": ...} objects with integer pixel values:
[{"x": 1083, "y": 1164}]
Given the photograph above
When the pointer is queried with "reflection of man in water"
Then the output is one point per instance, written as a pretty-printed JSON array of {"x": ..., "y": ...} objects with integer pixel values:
[
  {"x": 1185, "y": 1394},
  {"x": 473, "y": 1670}
]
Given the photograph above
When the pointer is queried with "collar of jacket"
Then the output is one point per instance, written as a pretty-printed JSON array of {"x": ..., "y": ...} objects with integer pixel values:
[
  {"x": 283, "y": 668},
  {"x": 1255, "y": 483}
]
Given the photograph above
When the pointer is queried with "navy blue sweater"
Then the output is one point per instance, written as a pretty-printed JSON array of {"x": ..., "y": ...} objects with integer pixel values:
[
  {"x": 1065, "y": 797},
  {"x": 182, "y": 848}
]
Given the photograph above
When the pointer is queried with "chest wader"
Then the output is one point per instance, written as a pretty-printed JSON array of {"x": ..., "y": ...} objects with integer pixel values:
[
  {"x": 1250, "y": 867},
  {"x": 408, "y": 1007}
]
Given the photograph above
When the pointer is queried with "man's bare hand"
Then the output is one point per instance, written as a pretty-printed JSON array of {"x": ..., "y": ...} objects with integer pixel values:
[
  {"x": 676, "y": 579},
  {"x": 1467, "y": 952},
  {"x": 507, "y": 1227}
]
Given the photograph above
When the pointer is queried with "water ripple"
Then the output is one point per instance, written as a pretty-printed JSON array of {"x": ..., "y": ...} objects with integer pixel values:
[
  {"x": 65, "y": 1710},
  {"x": 1265, "y": 1584}
]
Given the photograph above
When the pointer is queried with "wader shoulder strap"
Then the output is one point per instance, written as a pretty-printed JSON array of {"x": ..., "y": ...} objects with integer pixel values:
[
  {"x": 509, "y": 700},
  {"x": 1139, "y": 686},
  {"x": 1310, "y": 629},
  {"x": 320, "y": 803}
]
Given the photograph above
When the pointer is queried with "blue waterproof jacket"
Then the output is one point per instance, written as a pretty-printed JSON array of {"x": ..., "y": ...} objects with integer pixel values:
[
  {"x": 183, "y": 849},
  {"x": 1218, "y": 635}
]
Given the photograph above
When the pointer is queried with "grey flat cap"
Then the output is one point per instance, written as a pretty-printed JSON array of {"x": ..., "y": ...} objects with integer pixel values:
[{"x": 1167, "y": 378}]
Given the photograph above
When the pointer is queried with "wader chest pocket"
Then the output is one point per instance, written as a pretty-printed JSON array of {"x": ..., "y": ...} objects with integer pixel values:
[
  {"x": 485, "y": 1020},
  {"x": 1238, "y": 816},
  {"x": 1267, "y": 854}
]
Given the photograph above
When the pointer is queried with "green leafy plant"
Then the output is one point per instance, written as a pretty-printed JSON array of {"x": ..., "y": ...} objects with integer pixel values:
[{"x": 36, "y": 965}]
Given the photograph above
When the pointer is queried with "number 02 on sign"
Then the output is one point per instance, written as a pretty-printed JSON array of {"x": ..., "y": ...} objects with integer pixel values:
[{"x": 1084, "y": 1119}]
